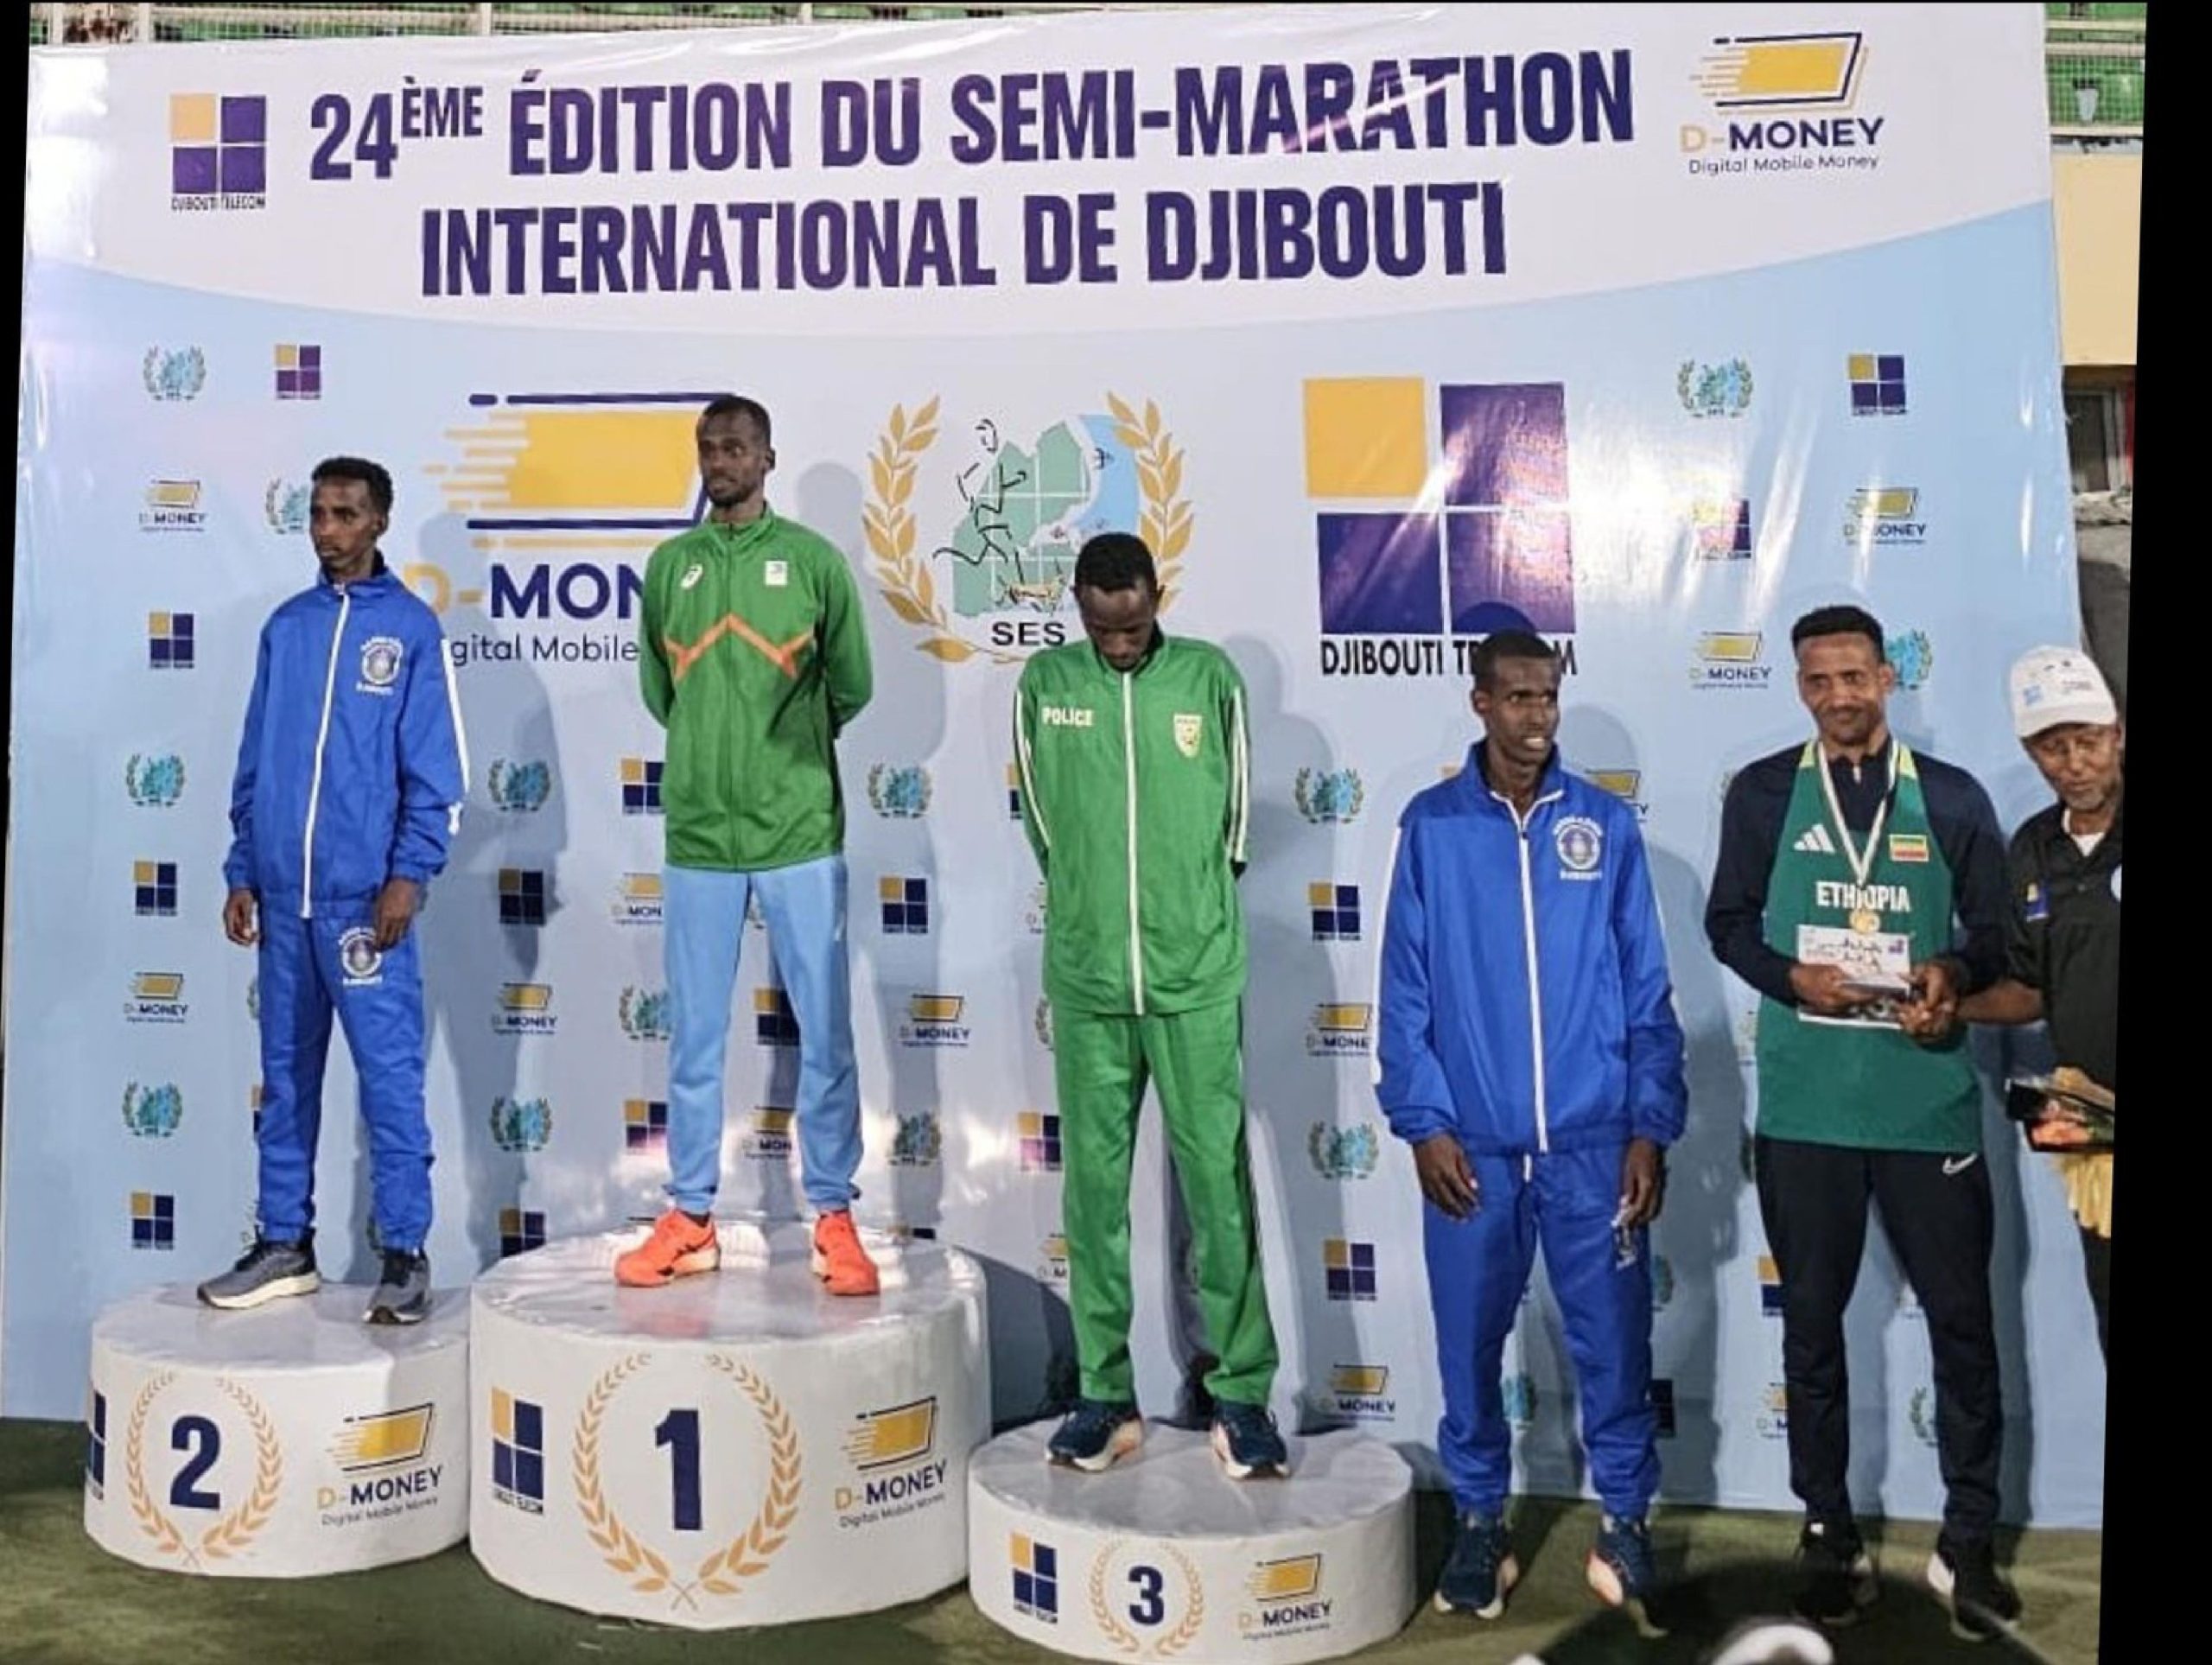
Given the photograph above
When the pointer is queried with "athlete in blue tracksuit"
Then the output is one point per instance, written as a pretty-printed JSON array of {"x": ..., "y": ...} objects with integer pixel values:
[
  {"x": 351, "y": 774},
  {"x": 1530, "y": 1054}
]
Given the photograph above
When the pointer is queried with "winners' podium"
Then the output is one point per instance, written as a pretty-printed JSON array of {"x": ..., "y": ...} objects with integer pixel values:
[
  {"x": 739, "y": 1448},
  {"x": 1163, "y": 1556},
  {"x": 289, "y": 1441}
]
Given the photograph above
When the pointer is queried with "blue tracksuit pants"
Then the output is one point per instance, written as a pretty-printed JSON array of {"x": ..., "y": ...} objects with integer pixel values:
[
  {"x": 308, "y": 968},
  {"x": 804, "y": 907},
  {"x": 1477, "y": 1270}
]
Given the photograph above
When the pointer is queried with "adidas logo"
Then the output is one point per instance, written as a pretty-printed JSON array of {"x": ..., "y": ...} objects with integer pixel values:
[{"x": 1816, "y": 842}]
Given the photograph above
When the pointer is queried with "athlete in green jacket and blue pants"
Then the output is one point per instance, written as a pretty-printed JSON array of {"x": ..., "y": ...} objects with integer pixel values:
[
  {"x": 753, "y": 654},
  {"x": 1136, "y": 785}
]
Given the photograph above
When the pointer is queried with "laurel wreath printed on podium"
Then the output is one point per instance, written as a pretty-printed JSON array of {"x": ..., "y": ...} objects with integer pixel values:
[
  {"x": 725, "y": 1572},
  {"x": 1120, "y": 1635},
  {"x": 235, "y": 1531},
  {"x": 904, "y": 581}
]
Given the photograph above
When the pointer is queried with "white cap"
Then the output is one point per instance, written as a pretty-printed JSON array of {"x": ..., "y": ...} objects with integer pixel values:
[{"x": 2052, "y": 685}]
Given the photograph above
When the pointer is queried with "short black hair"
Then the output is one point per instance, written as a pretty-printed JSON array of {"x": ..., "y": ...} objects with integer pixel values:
[
  {"x": 1116, "y": 561},
  {"x": 736, "y": 405},
  {"x": 371, "y": 474},
  {"x": 1845, "y": 620},
  {"x": 1502, "y": 644}
]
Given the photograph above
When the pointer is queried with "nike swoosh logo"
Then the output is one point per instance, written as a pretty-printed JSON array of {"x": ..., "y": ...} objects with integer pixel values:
[{"x": 1959, "y": 1164}]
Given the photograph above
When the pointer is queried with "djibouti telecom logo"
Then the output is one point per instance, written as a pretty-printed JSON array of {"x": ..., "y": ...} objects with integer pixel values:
[
  {"x": 974, "y": 533},
  {"x": 899, "y": 792},
  {"x": 521, "y": 1125}
]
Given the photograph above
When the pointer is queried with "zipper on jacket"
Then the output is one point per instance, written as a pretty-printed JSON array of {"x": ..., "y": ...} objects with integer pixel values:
[
  {"x": 1130, "y": 757},
  {"x": 321, "y": 740},
  {"x": 1529, "y": 936}
]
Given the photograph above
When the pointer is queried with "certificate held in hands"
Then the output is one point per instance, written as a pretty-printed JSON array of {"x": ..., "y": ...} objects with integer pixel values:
[{"x": 1877, "y": 963}]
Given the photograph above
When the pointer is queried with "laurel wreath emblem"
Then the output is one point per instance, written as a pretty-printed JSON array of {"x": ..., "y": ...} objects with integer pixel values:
[
  {"x": 725, "y": 1572},
  {"x": 1127, "y": 1640},
  {"x": 235, "y": 1531},
  {"x": 904, "y": 579}
]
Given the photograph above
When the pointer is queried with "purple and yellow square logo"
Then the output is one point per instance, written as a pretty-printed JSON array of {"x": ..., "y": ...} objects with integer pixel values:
[
  {"x": 1446, "y": 508},
  {"x": 299, "y": 370},
  {"x": 219, "y": 149}
]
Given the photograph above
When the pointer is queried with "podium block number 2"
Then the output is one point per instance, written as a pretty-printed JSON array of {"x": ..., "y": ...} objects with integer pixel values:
[
  {"x": 679, "y": 1432},
  {"x": 205, "y": 1441}
]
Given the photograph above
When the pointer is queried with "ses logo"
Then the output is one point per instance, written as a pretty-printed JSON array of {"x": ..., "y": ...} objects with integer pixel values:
[
  {"x": 1037, "y": 1138},
  {"x": 899, "y": 792},
  {"x": 644, "y": 1013},
  {"x": 299, "y": 370},
  {"x": 984, "y": 568},
  {"x": 933, "y": 1020},
  {"x": 219, "y": 152},
  {"x": 1343, "y": 1152},
  {"x": 383, "y": 1457},
  {"x": 774, "y": 1023},
  {"x": 520, "y": 788},
  {"x": 919, "y": 1142},
  {"x": 153, "y": 1220},
  {"x": 173, "y": 505},
  {"x": 173, "y": 375},
  {"x": 1036, "y": 1569},
  {"x": 534, "y": 474},
  {"x": 1784, "y": 103},
  {"x": 284, "y": 505},
  {"x": 525, "y": 1008},
  {"x": 1913, "y": 656},
  {"x": 1286, "y": 1598},
  {"x": 1731, "y": 659},
  {"x": 897, "y": 1471},
  {"x": 1330, "y": 796},
  {"x": 153, "y": 782},
  {"x": 155, "y": 997},
  {"x": 153, "y": 1112},
  {"x": 1420, "y": 556},
  {"x": 1341, "y": 1029},
  {"x": 641, "y": 785},
  {"x": 1333, "y": 911},
  {"x": 1878, "y": 387},
  {"x": 1887, "y": 515},
  {"x": 521, "y": 1125},
  {"x": 1360, "y": 1392},
  {"x": 645, "y": 1126},
  {"x": 1348, "y": 1270},
  {"x": 905, "y": 904}
]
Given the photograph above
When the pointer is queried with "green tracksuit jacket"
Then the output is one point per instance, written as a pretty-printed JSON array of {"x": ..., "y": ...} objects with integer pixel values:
[
  {"x": 1135, "y": 793},
  {"x": 752, "y": 653}
]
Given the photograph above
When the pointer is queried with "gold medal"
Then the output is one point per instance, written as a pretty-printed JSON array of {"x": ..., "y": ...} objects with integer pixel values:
[{"x": 1865, "y": 921}]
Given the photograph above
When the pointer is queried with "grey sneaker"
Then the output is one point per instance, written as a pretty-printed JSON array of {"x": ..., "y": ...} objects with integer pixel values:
[
  {"x": 403, "y": 1294},
  {"x": 268, "y": 1271}
]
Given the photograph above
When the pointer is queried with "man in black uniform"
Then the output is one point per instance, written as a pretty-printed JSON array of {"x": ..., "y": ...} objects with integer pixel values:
[{"x": 2064, "y": 960}]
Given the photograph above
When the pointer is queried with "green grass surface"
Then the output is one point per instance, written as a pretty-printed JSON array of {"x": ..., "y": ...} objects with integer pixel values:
[{"x": 65, "y": 1601}]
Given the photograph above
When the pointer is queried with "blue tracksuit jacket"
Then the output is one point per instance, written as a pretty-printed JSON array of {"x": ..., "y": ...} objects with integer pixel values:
[
  {"x": 350, "y": 772},
  {"x": 1526, "y": 1008}
]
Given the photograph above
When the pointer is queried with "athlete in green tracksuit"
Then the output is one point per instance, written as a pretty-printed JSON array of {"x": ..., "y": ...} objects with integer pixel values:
[{"x": 1136, "y": 785}]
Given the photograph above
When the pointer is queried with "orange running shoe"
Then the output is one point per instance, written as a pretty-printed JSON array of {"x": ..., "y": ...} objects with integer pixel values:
[
  {"x": 677, "y": 1248},
  {"x": 839, "y": 1260}
]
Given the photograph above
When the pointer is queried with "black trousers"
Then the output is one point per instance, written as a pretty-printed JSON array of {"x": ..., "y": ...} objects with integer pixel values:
[
  {"x": 2096, "y": 1260},
  {"x": 1938, "y": 1215}
]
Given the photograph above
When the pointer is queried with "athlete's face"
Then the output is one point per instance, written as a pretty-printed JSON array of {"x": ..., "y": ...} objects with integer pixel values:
[
  {"x": 2081, "y": 761},
  {"x": 1119, "y": 622},
  {"x": 345, "y": 526},
  {"x": 1846, "y": 685},
  {"x": 1520, "y": 709},
  {"x": 734, "y": 459}
]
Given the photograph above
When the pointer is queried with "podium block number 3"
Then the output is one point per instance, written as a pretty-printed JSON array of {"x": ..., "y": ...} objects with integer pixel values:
[{"x": 1151, "y": 1605}]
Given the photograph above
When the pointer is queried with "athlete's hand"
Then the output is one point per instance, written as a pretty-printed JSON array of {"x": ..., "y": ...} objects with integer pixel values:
[
  {"x": 1823, "y": 988},
  {"x": 395, "y": 906},
  {"x": 1933, "y": 1013},
  {"x": 240, "y": 917},
  {"x": 1644, "y": 1183},
  {"x": 1445, "y": 1179}
]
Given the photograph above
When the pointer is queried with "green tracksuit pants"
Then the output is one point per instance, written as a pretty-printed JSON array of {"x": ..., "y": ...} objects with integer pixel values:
[{"x": 1102, "y": 1065}]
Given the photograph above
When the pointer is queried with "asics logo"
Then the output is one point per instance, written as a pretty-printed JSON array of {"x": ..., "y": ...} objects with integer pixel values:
[{"x": 1956, "y": 1165}]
